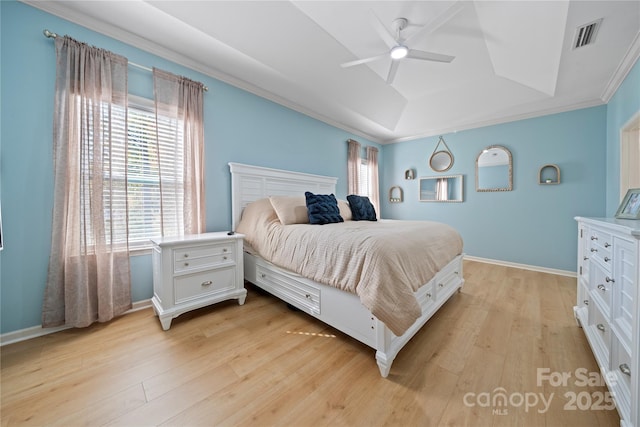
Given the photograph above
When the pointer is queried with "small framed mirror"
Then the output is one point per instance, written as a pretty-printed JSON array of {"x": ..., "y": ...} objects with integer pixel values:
[
  {"x": 441, "y": 160},
  {"x": 494, "y": 169},
  {"x": 442, "y": 188}
]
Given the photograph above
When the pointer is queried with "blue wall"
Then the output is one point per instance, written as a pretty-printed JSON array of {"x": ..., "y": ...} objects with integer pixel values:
[
  {"x": 533, "y": 224},
  {"x": 239, "y": 127}
]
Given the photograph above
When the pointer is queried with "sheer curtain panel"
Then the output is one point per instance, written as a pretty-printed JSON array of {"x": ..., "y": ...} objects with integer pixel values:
[
  {"x": 353, "y": 167},
  {"x": 89, "y": 276},
  {"x": 179, "y": 104},
  {"x": 374, "y": 186}
]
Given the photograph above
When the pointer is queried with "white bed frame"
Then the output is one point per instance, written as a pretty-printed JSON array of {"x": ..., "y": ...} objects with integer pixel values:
[{"x": 337, "y": 308}]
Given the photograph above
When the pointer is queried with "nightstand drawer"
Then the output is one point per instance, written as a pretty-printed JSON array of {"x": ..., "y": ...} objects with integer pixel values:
[
  {"x": 203, "y": 284},
  {"x": 200, "y": 257}
]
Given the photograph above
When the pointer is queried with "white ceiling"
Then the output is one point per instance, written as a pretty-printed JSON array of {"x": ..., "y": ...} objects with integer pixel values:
[{"x": 513, "y": 59}]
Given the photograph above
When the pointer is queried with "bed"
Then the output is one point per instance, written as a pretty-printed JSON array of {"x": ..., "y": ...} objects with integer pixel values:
[{"x": 341, "y": 309}]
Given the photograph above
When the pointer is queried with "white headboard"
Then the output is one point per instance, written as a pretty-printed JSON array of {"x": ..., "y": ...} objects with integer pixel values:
[{"x": 251, "y": 183}]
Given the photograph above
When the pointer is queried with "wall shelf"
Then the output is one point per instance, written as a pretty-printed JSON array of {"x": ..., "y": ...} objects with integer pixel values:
[{"x": 549, "y": 175}]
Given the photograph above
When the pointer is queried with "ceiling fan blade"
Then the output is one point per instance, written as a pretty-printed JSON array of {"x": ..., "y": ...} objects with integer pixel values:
[
  {"x": 383, "y": 31},
  {"x": 429, "y": 56},
  {"x": 365, "y": 60},
  {"x": 437, "y": 22},
  {"x": 392, "y": 71}
]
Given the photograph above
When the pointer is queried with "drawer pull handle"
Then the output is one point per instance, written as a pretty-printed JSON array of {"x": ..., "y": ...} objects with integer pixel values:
[
  {"x": 609, "y": 280},
  {"x": 624, "y": 368},
  {"x": 428, "y": 295},
  {"x": 606, "y": 245},
  {"x": 207, "y": 283},
  {"x": 602, "y": 288},
  {"x": 584, "y": 258},
  {"x": 607, "y": 259},
  {"x": 186, "y": 255},
  {"x": 594, "y": 238},
  {"x": 224, "y": 250},
  {"x": 224, "y": 258},
  {"x": 586, "y": 302},
  {"x": 307, "y": 296},
  {"x": 186, "y": 264},
  {"x": 263, "y": 275},
  {"x": 600, "y": 327},
  {"x": 594, "y": 250},
  {"x": 441, "y": 285}
]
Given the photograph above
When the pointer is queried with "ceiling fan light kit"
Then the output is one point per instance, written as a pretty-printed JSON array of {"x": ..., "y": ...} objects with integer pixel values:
[{"x": 399, "y": 52}]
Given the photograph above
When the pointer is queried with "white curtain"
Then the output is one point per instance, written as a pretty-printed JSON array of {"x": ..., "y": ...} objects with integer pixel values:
[
  {"x": 181, "y": 100},
  {"x": 442, "y": 189},
  {"x": 353, "y": 167},
  {"x": 374, "y": 187},
  {"x": 89, "y": 274}
]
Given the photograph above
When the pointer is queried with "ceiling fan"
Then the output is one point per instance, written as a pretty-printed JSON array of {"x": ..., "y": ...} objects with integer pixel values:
[{"x": 399, "y": 48}]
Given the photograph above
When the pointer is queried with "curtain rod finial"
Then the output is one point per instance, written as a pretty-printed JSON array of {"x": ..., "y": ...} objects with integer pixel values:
[{"x": 49, "y": 34}]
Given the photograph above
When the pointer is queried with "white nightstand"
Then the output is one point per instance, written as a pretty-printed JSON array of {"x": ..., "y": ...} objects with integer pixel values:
[{"x": 196, "y": 270}]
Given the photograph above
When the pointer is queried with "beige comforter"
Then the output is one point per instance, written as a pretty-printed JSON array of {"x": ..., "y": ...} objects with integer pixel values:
[{"x": 382, "y": 262}]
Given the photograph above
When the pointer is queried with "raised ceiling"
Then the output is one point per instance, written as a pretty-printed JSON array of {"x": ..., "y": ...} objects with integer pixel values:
[{"x": 513, "y": 59}]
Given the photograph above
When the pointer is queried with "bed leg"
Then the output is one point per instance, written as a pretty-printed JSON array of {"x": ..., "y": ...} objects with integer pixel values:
[{"x": 383, "y": 364}]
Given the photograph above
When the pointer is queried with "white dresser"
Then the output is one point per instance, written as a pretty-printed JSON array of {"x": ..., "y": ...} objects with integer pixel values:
[
  {"x": 608, "y": 306},
  {"x": 193, "y": 271}
]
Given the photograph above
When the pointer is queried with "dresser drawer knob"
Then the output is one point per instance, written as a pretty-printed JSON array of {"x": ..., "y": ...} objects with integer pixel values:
[
  {"x": 186, "y": 255},
  {"x": 606, "y": 245},
  {"x": 307, "y": 296},
  {"x": 609, "y": 280},
  {"x": 624, "y": 368},
  {"x": 586, "y": 302},
  {"x": 263, "y": 275},
  {"x": 441, "y": 285},
  {"x": 594, "y": 238},
  {"x": 602, "y": 288},
  {"x": 600, "y": 327},
  {"x": 186, "y": 264},
  {"x": 224, "y": 250},
  {"x": 207, "y": 283},
  {"x": 607, "y": 259},
  {"x": 594, "y": 250},
  {"x": 584, "y": 258},
  {"x": 428, "y": 295},
  {"x": 224, "y": 258}
]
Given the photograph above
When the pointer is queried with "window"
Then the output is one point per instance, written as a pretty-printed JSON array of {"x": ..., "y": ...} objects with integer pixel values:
[
  {"x": 363, "y": 179},
  {"x": 142, "y": 178},
  {"x": 145, "y": 219}
]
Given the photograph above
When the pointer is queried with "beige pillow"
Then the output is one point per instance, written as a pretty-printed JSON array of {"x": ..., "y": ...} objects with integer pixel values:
[
  {"x": 290, "y": 209},
  {"x": 345, "y": 210}
]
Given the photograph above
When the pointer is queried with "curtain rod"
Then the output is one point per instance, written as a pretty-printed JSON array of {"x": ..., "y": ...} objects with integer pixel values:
[{"x": 51, "y": 35}]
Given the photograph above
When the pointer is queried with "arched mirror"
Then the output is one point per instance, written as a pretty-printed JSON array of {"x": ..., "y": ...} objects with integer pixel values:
[
  {"x": 494, "y": 169},
  {"x": 441, "y": 160}
]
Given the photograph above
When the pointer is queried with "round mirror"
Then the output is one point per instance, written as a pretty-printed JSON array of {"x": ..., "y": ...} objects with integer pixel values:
[{"x": 441, "y": 161}]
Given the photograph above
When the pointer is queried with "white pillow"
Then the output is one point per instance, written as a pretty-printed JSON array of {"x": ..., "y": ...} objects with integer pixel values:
[{"x": 290, "y": 209}]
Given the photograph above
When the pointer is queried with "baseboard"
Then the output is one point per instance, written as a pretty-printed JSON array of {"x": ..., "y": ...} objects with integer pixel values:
[
  {"x": 38, "y": 331},
  {"x": 522, "y": 266}
]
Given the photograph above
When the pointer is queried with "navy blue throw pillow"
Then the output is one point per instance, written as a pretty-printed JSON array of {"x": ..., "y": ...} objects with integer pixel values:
[
  {"x": 322, "y": 208},
  {"x": 361, "y": 208}
]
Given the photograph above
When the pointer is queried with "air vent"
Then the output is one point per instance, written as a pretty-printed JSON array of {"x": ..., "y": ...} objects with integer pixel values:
[{"x": 586, "y": 34}]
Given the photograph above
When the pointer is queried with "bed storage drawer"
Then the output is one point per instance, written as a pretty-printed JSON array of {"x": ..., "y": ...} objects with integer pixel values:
[{"x": 290, "y": 289}]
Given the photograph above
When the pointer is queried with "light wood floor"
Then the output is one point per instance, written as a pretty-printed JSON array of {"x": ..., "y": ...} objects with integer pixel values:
[{"x": 261, "y": 364}]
